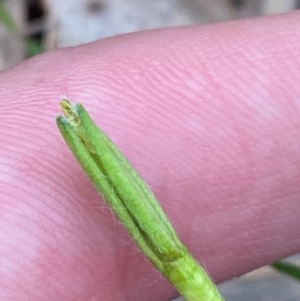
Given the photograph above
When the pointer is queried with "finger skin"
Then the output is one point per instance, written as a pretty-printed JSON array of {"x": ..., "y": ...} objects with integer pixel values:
[{"x": 210, "y": 117}]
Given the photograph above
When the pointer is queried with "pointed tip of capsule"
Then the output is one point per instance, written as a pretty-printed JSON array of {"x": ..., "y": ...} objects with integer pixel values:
[
  {"x": 67, "y": 107},
  {"x": 70, "y": 112}
]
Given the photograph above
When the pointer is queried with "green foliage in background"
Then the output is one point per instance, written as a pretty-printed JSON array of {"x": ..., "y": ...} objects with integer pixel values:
[
  {"x": 6, "y": 18},
  {"x": 32, "y": 46},
  {"x": 288, "y": 269}
]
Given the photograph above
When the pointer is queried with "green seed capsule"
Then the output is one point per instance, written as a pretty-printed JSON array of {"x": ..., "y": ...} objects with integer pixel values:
[{"x": 134, "y": 203}]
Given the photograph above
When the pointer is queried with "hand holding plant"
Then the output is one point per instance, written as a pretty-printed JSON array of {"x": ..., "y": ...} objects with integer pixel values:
[{"x": 228, "y": 176}]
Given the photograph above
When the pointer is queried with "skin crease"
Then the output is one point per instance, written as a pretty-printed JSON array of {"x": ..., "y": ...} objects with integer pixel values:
[{"x": 210, "y": 117}]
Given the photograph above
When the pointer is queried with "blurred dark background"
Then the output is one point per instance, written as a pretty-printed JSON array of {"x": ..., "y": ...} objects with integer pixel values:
[{"x": 28, "y": 27}]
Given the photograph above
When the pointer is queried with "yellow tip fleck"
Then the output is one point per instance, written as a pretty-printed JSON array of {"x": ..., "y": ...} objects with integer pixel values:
[{"x": 70, "y": 111}]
